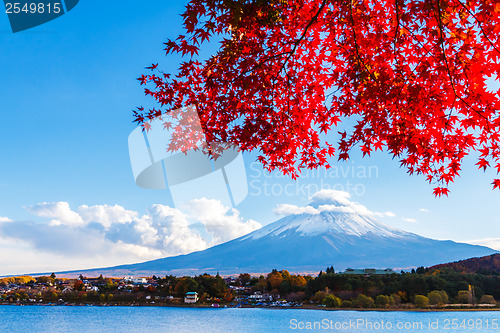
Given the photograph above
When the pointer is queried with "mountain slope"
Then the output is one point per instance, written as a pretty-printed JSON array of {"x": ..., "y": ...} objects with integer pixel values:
[
  {"x": 486, "y": 265},
  {"x": 328, "y": 232}
]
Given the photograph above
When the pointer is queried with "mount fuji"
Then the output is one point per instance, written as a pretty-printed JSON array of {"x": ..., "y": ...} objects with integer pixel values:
[{"x": 332, "y": 230}]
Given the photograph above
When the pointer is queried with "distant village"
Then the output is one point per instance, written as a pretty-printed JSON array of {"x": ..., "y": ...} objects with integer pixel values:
[{"x": 352, "y": 288}]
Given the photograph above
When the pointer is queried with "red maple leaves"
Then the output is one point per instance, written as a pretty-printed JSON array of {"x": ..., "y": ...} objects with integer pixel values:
[{"x": 412, "y": 73}]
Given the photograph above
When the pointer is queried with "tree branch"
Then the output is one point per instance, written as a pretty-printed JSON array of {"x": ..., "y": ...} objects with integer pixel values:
[{"x": 297, "y": 42}]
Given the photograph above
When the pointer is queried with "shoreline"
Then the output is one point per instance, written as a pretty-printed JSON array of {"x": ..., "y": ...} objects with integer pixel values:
[{"x": 208, "y": 306}]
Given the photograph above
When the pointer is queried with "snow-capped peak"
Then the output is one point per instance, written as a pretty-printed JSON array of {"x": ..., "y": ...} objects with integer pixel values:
[{"x": 329, "y": 212}]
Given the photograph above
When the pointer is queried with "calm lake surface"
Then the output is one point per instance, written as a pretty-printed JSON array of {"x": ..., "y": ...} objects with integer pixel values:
[{"x": 168, "y": 319}]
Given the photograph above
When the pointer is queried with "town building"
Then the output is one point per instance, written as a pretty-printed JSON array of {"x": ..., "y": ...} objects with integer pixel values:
[
  {"x": 369, "y": 271},
  {"x": 191, "y": 297}
]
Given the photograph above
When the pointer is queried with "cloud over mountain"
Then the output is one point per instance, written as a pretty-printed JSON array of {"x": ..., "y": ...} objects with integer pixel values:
[
  {"x": 330, "y": 201},
  {"x": 331, "y": 230}
]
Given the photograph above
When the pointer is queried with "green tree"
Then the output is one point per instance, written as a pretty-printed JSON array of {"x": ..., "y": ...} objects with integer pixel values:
[
  {"x": 244, "y": 279},
  {"x": 184, "y": 285},
  {"x": 363, "y": 301},
  {"x": 285, "y": 287},
  {"x": 52, "y": 296},
  {"x": 346, "y": 304},
  {"x": 382, "y": 301},
  {"x": 420, "y": 270},
  {"x": 488, "y": 299},
  {"x": 319, "y": 296},
  {"x": 330, "y": 270},
  {"x": 261, "y": 284},
  {"x": 464, "y": 297},
  {"x": 421, "y": 301},
  {"x": 109, "y": 284},
  {"x": 331, "y": 301},
  {"x": 437, "y": 297}
]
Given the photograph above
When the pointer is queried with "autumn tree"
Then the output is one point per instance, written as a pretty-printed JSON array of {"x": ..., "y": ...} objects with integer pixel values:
[
  {"x": 298, "y": 281},
  {"x": 274, "y": 279},
  {"x": 78, "y": 285},
  {"x": 411, "y": 74}
]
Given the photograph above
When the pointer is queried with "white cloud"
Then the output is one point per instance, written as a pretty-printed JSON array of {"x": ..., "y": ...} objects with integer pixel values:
[
  {"x": 4, "y": 219},
  {"x": 424, "y": 210},
  {"x": 388, "y": 214},
  {"x": 221, "y": 222},
  {"x": 25, "y": 258},
  {"x": 409, "y": 219},
  {"x": 163, "y": 229},
  {"x": 104, "y": 235},
  {"x": 106, "y": 215},
  {"x": 59, "y": 212},
  {"x": 168, "y": 229},
  {"x": 331, "y": 195},
  {"x": 493, "y": 243},
  {"x": 336, "y": 197},
  {"x": 286, "y": 209}
]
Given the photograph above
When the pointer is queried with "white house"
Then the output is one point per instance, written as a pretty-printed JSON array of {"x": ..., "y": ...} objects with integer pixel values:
[
  {"x": 191, "y": 297},
  {"x": 139, "y": 281}
]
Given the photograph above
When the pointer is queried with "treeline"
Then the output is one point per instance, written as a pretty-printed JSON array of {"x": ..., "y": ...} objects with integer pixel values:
[
  {"x": 420, "y": 288},
  {"x": 207, "y": 286},
  {"x": 24, "y": 280}
]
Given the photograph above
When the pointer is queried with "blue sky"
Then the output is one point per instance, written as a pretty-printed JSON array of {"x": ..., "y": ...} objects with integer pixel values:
[{"x": 67, "y": 91}]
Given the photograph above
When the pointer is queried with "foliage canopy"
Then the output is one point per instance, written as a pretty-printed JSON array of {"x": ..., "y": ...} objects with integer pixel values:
[{"x": 412, "y": 74}]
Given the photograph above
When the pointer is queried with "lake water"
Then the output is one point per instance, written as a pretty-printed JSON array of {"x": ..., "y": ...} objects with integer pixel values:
[{"x": 167, "y": 319}]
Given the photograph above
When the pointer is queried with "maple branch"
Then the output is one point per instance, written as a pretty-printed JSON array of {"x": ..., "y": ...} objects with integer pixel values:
[
  {"x": 260, "y": 64},
  {"x": 441, "y": 40},
  {"x": 443, "y": 49},
  {"x": 396, "y": 32},
  {"x": 395, "y": 41},
  {"x": 356, "y": 43},
  {"x": 297, "y": 42},
  {"x": 479, "y": 24},
  {"x": 417, "y": 83}
]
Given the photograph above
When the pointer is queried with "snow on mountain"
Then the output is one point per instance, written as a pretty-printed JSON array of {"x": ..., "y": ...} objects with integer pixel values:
[
  {"x": 330, "y": 212},
  {"x": 328, "y": 219}
]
